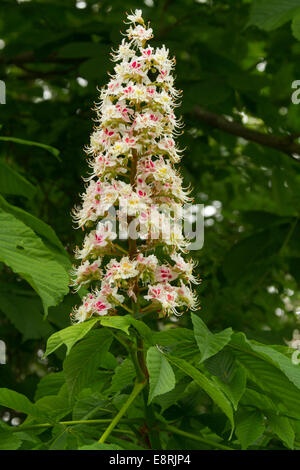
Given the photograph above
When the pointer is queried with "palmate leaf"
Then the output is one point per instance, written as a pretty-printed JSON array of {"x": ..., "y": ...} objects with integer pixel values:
[
  {"x": 18, "y": 402},
  {"x": 249, "y": 427},
  {"x": 50, "y": 384},
  {"x": 124, "y": 375},
  {"x": 119, "y": 322},
  {"x": 69, "y": 336},
  {"x": 275, "y": 357},
  {"x": 229, "y": 377},
  {"x": 217, "y": 396},
  {"x": 270, "y": 378},
  {"x": 42, "y": 229},
  {"x": 25, "y": 253},
  {"x": 84, "y": 359},
  {"x": 9, "y": 441},
  {"x": 162, "y": 378},
  {"x": 283, "y": 428},
  {"x": 209, "y": 343}
]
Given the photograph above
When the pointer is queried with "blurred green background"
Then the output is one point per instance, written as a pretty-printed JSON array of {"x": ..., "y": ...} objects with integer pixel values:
[{"x": 236, "y": 59}]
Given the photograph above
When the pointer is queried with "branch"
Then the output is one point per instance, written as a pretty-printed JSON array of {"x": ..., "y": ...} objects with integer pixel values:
[
  {"x": 281, "y": 143},
  {"x": 138, "y": 387}
]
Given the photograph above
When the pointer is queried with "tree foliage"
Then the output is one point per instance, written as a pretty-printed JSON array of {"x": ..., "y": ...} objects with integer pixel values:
[{"x": 219, "y": 379}]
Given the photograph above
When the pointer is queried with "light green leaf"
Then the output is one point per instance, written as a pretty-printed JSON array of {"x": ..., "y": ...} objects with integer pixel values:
[
  {"x": 18, "y": 402},
  {"x": 25, "y": 253},
  {"x": 88, "y": 404},
  {"x": 9, "y": 441},
  {"x": 118, "y": 322},
  {"x": 54, "y": 406},
  {"x": 249, "y": 427},
  {"x": 204, "y": 383},
  {"x": 209, "y": 343},
  {"x": 83, "y": 361},
  {"x": 69, "y": 336},
  {"x": 162, "y": 378}
]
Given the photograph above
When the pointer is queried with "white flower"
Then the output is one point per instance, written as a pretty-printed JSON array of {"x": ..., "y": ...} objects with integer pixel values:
[
  {"x": 139, "y": 34},
  {"x": 184, "y": 267},
  {"x": 132, "y": 156},
  {"x": 135, "y": 17},
  {"x": 96, "y": 240},
  {"x": 186, "y": 297},
  {"x": 86, "y": 273},
  {"x": 165, "y": 295},
  {"x": 123, "y": 269},
  {"x": 92, "y": 304}
]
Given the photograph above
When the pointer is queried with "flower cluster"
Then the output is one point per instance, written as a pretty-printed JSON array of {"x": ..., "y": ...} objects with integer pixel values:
[{"x": 132, "y": 154}]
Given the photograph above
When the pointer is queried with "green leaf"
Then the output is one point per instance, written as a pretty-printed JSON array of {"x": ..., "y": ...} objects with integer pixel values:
[
  {"x": 235, "y": 388},
  {"x": 283, "y": 428},
  {"x": 25, "y": 313},
  {"x": 118, "y": 322},
  {"x": 9, "y": 441},
  {"x": 204, "y": 383},
  {"x": 54, "y": 406},
  {"x": 83, "y": 361},
  {"x": 162, "y": 378},
  {"x": 249, "y": 427},
  {"x": 24, "y": 252},
  {"x": 209, "y": 343},
  {"x": 278, "y": 359},
  {"x": 221, "y": 365},
  {"x": 271, "y": 14},
  {"x": 296, "y": 26},
  {"x": 11, "y": 182},
  {"x": 69, "y": 336},
  {"x": 172, "y": 398},
  {"x": 88, "y": 404},
  {"x": 179, "y": 341},
  {"x": 16, "y": 140},
  {"x": 267, "y": 375},
  {"x": 50, "y": 384},
  {"x": 18, "y": 402},
  {"x": 38, "y": 226},
  {"x": 124, "y": 375},
  {"x": 142, "y": 329}
]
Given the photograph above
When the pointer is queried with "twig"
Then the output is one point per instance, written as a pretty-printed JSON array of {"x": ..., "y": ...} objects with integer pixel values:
[{"x": 281, "y": 143}]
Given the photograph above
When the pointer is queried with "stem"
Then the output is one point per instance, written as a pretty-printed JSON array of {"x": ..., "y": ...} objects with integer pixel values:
[
  {"x": 123, "y": 306},
  {"x": 175, "y": 430},
  {"x": 138, "y": 387},
  {"x": 116, "y": 245}
]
